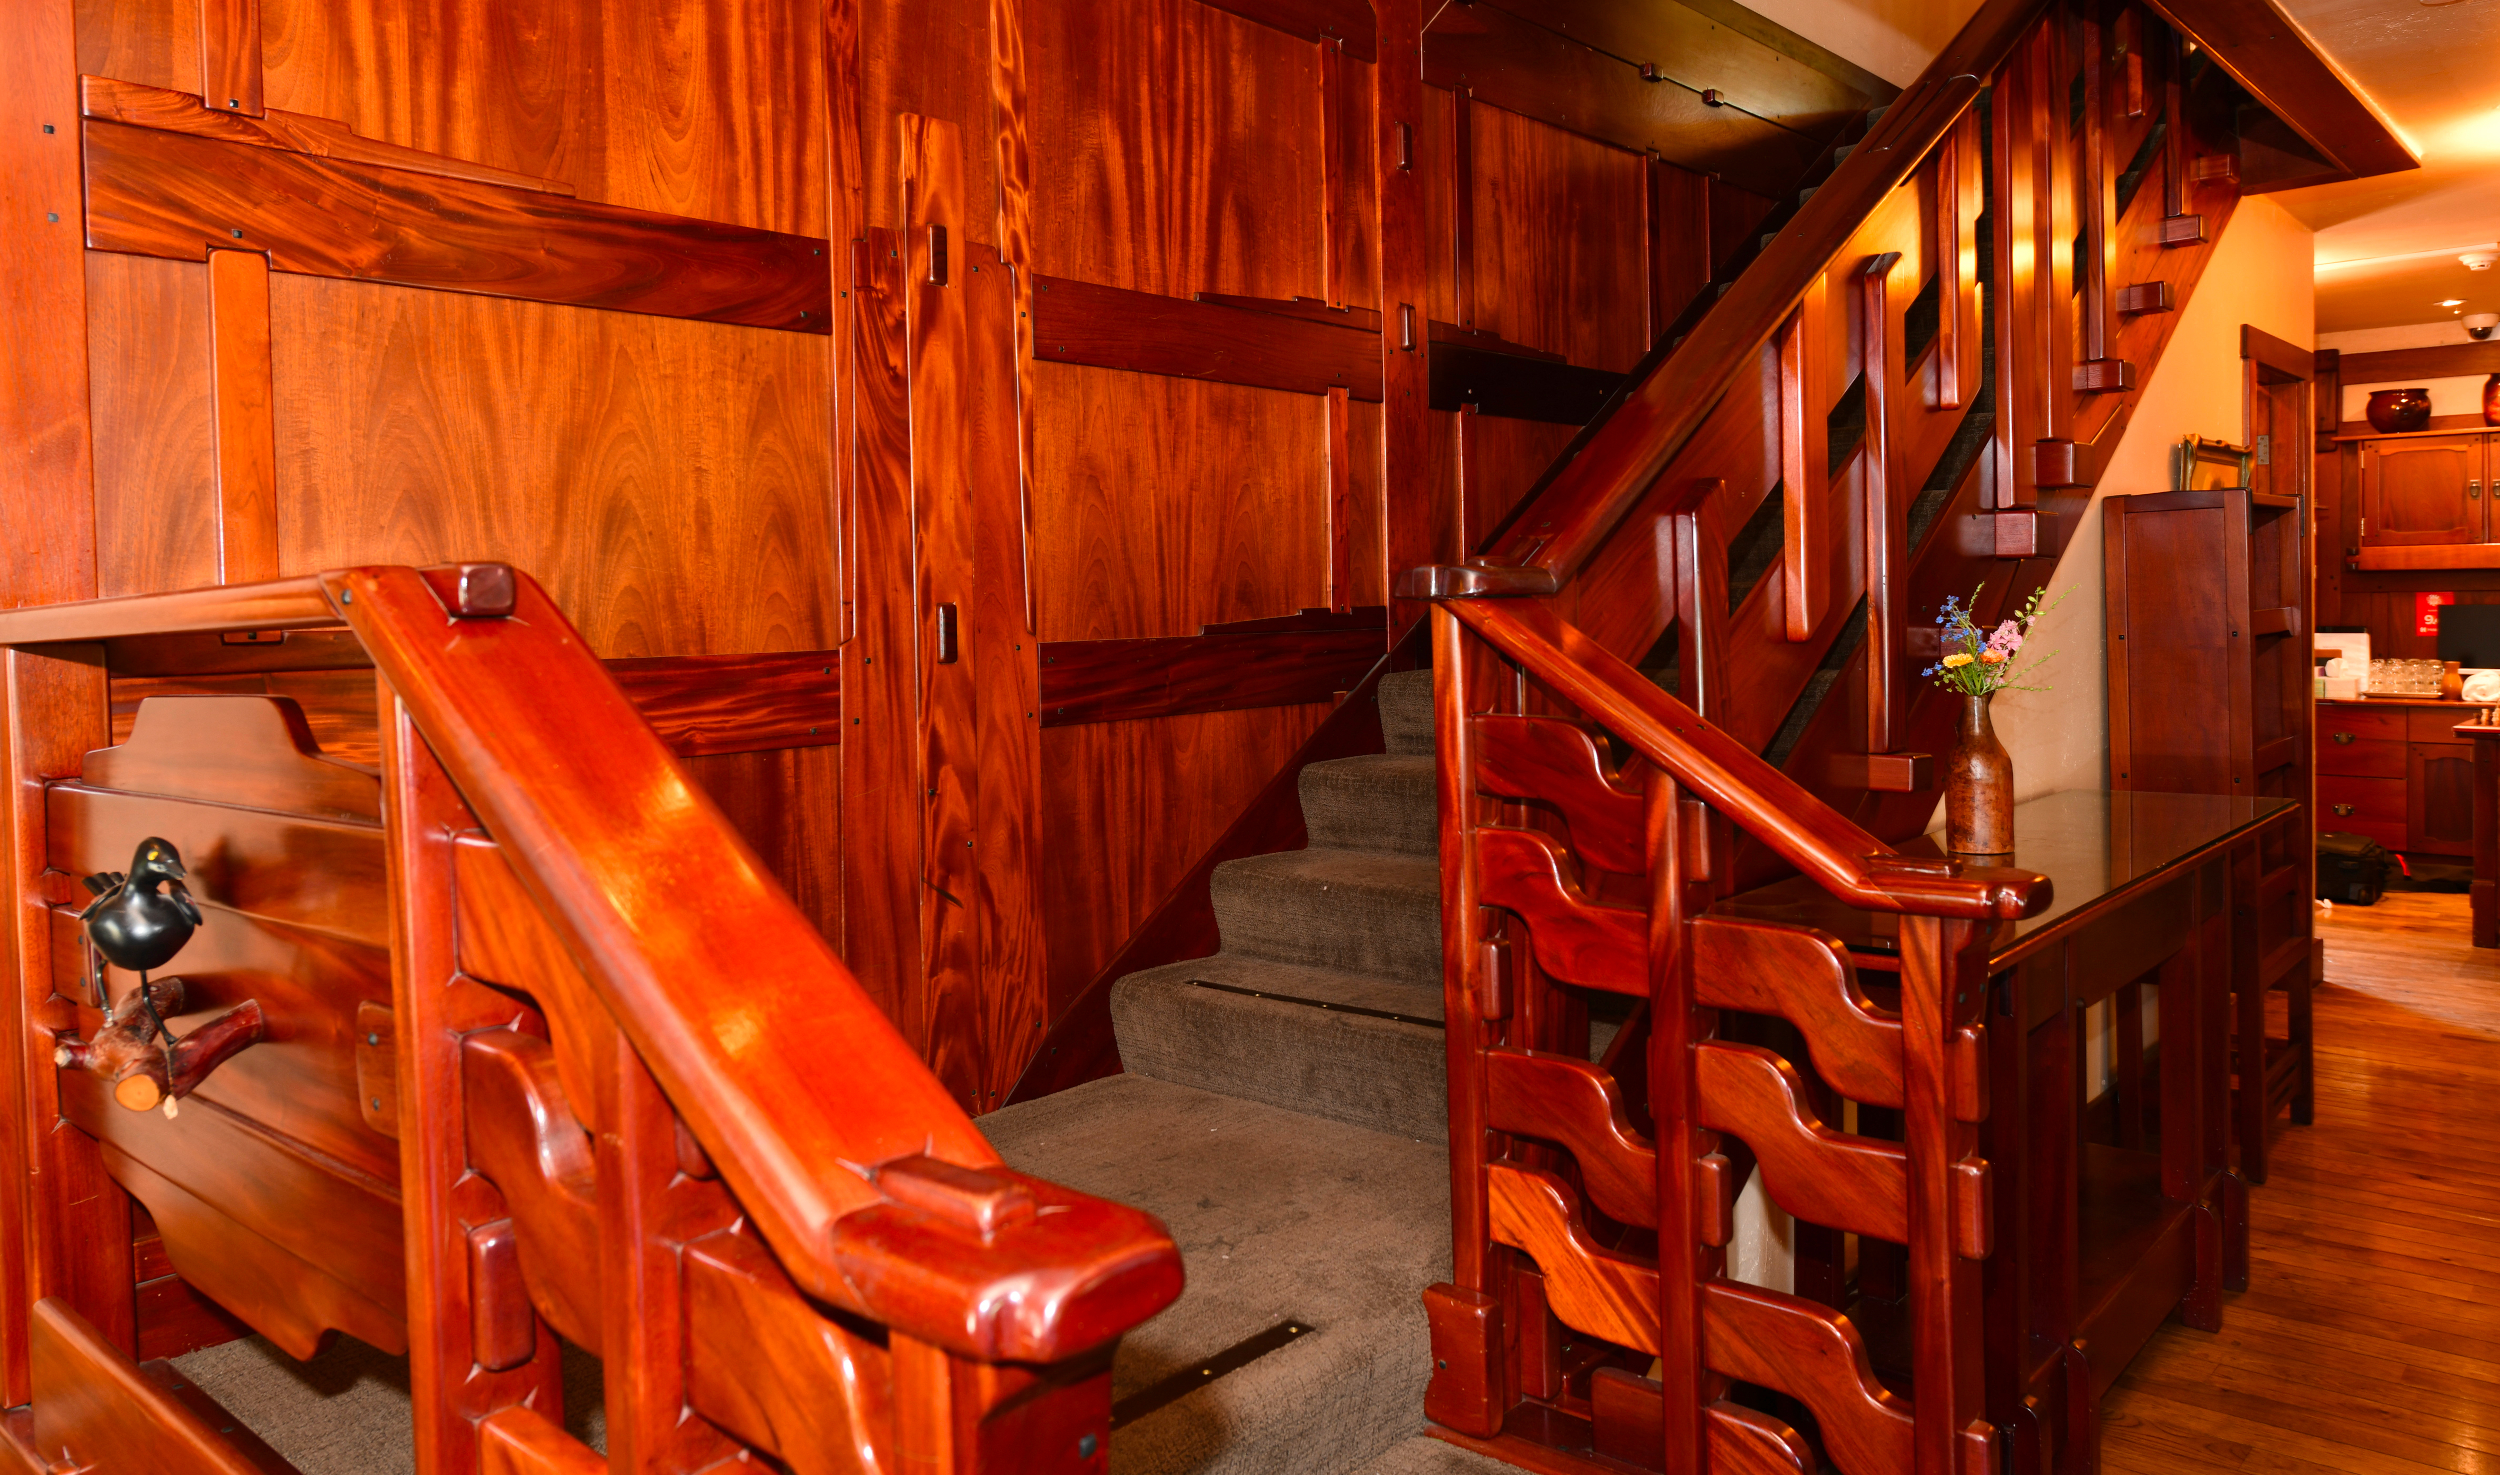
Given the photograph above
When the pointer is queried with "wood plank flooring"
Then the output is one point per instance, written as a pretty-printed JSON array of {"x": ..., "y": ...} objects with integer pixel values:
[{"x": 2369, "y": 1338}]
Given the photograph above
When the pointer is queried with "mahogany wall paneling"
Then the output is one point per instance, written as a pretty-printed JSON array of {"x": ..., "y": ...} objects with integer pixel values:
[
  {"x": 77, "y": 1241},
  {"x": 938, "y": 356},
  {"x": 156, "y": 192},
  {"x": 1420, "y": 511},
  {"x": 881, "y": 788},
  {"x": 1352, "y": 191},
  {"x": 787, "y": 804},
  {"x": 717, "y": 115},
  {"x": 934, "y": 59},
  {"x": 151, "y": 41},
  {"x": 1432, "y": 180},
  {"x": 1368, "y": 584},
  {"x": 628, "y": 462},
  {"x": 1164, "y": 504},
  {"x": 1559, "y": 240},
  {"x": 1526, "y": 69},
  {"x": 230, "y": 69},
  {"x": 1015, "y": 1005},
  {"x": 1682, "y": 258},
  {"x": 1014, "y": 155},
  {"x": 1736, "y": 216},
  {"x": 48, "y": 503},
  {"x": 238, "y": 338},
  {"x": 1176, "y": 149},
  {"x": 1755, "y": 64},
  {"x": 155, "y": 468},
  {"x": 1499, "y": 459},
  {"x": 1130, "y": 808}
]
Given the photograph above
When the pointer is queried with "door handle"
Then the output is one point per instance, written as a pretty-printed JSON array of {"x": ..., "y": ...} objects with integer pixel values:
[
  {"x": 2341, "y": 809},
  {"x": 2473, "y": 491},
  {"x": 946, "y": 638},
  {"x": 2341, "y": 737}
]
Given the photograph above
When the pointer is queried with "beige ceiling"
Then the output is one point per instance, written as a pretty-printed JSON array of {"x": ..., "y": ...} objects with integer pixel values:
[{"x": 2387, "y": 246}]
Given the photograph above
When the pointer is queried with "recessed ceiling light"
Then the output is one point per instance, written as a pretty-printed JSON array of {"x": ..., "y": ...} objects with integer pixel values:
[{"x": 2454, "y": 302}]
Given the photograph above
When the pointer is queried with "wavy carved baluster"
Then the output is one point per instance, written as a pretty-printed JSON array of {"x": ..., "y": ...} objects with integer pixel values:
[
  {"x": 1576, "y": 1104},
  {"x": 1575, "y": 939},
  {"x": 1559, "y": 763}
]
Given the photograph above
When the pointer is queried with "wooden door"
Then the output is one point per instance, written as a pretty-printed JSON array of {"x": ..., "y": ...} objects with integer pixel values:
[
  {"x": 2439, "y": 799},
  {"x": 2418, "y": 492}
]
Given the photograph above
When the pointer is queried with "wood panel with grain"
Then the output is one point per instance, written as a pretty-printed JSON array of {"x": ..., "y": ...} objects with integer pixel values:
[
  {"x": 632, "y": 463},
  {"x": 1178, "y": 149},
  {"x": 156, "y": 193},
  {"x": 1589, "y": 1287},
  {"x": 1107, "y": 872},
  {"x": 1559, "y": 263},
  {"x": 710, "y": 109},
  {"x": 1578, "y": 1105},
  {"x": 156, "y": 42},
  {"x": 1576, "y": 939},
  {"x": 1162, "y": 505},
  {"x": 1114, "y": 680},
  {"x": 1557, "y": 762},
  {"x": 155, "y": 444},
  {"x": 1110, "y": 327}
]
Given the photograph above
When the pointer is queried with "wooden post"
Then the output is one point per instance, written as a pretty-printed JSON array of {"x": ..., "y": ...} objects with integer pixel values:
[{"x": 1943, "y": 988}]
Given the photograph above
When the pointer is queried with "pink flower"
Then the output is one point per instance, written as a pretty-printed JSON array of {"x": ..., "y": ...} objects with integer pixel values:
[{"x": 2005, "y": 639}]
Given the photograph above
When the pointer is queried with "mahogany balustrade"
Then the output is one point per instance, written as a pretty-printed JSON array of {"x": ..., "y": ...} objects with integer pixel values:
[{"x": 556, "y": 1056}]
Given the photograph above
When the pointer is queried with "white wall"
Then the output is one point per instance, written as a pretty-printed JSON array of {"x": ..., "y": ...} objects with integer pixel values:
[{"x": 2260, "y": 275}]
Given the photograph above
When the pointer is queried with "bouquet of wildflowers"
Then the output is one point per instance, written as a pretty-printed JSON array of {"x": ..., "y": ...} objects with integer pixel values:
[{"x": 1980, "y": 662}]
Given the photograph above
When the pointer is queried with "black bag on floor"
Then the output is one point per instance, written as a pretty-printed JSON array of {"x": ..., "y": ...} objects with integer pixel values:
[{"x": 2352, "y": 870}]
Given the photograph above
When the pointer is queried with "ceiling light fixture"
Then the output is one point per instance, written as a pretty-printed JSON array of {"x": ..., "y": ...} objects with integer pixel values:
[
  {"x": 2453, "y": 302},
  {"x": 2479, "y": 260}
]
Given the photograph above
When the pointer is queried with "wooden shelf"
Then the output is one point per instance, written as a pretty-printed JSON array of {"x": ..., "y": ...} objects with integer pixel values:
[
  {"x": 2428, "y": 556},
  {"x": 2421, "y": 434},
  {"x": 2137, "y": 1253}
]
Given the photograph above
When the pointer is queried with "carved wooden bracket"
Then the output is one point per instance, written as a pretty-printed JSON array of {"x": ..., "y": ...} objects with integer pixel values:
[{"x": 146, "y": 1065}]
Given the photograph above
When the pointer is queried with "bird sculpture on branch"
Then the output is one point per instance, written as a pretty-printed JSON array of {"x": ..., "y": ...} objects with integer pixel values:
[{"x": 140, "y": 920}]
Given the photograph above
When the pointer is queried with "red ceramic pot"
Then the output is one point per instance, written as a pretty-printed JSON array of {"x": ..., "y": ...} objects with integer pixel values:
[{"x": 2395, "y": 411}]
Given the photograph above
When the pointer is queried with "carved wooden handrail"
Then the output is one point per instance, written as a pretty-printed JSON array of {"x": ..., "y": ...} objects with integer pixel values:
[
  {"x": 1554, "y": 538},
  {"x": 1807, "y": 833},
  {"x": 817, "y": 1113}
]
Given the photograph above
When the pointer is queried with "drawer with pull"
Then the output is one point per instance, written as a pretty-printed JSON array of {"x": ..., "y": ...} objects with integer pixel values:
[
  {"x": 2343, "y": 726},
  {"x": 2363, "y": 806},
  {"x": 2342, "y": 751}
]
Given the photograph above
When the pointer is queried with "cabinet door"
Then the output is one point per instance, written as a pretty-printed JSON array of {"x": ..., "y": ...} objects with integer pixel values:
[
  {"x": 2439, "y": 798},
  {"x": 2416, "y": 492}
]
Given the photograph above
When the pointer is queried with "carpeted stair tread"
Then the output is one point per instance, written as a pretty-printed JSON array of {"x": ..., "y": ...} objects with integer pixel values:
[
  {"x": 1382, "y": 801},
  {"x": 1425, "y": 1455},
  {"x": 1383, "y": 1074},
  {"x": 1364, "y": 911},
  {"x": 346, "y": 1411},
  {"x": 1406, "y": 712},
  {"x": 1279, "y": 1216}
]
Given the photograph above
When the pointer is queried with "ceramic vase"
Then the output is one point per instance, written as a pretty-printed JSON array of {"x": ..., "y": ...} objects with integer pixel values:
[
  {"x": 1978, "y": 786},
  {"x": 2491, "y": 400},
  {"x": 2396, "y": 411}
]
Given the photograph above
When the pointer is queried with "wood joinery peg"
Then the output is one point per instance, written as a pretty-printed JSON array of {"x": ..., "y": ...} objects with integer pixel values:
[{"x": 137, "y": 1054}]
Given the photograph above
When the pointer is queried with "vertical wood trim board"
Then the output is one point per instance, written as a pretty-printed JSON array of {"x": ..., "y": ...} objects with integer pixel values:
[
  {"x": 230, "y": 69},
  {"x": 240, "y": 398}
]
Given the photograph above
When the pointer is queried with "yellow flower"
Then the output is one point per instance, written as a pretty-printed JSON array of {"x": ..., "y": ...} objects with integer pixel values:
[{"x": 1955, "y": 662}]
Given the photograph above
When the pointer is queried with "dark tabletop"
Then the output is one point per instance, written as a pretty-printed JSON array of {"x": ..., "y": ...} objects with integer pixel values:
[{"x": 2090, "y": 843}]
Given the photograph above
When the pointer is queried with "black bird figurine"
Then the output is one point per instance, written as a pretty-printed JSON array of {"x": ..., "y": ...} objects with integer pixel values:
[{"x": 141, "y": 920}]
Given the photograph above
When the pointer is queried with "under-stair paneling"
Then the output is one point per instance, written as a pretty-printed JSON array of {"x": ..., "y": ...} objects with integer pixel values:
[
  {"x": 1127, "y": 809},
  {"x": 665, "y": 480},
  {"x": 148, "y": 389},
  {"x": 151, "y": 41},
  {"x": 1559, "y": 240},
  {"x": 1177, "y": 148},
  {"x": 1162, "y": 504},
  {"x": 707, "y": 108},
  {"x": 1499, "y": 459},
  {"x": 787, "y": 804}
]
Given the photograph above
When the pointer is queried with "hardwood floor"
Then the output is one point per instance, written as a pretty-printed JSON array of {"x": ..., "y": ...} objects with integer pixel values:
[{"x": 2369, "y": 1339}]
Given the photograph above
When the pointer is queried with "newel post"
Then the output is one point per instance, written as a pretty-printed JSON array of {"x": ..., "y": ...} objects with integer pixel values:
[{"x": 1943, "y": 989}]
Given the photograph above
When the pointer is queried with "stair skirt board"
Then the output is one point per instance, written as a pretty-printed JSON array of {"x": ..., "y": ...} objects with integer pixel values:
[{"x": 1278, "y": 1216}]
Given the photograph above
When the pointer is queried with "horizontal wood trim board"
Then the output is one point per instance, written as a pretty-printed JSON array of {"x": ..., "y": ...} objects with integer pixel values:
[
  {"x": 143, "y": 106},
  {"x": 1288, "y": 345},
  {"x": 1346, "y": 24},
  {"x": 156, "y": 193},
  {"x": 704, "y": 705},
  {"x": 1118, "y": 680},
  {"x": 2401, "y": 366},
  {"x": 1146, "y": 332}
]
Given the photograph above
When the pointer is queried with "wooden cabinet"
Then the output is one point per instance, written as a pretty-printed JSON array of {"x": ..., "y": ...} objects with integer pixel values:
[
  {"x": 2427, "y": 491},
  {"x": 2396, "y": 773}
]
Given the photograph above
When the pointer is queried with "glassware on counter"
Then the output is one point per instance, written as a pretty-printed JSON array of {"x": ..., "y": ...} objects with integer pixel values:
[{"x": 2391, "y": 677}]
